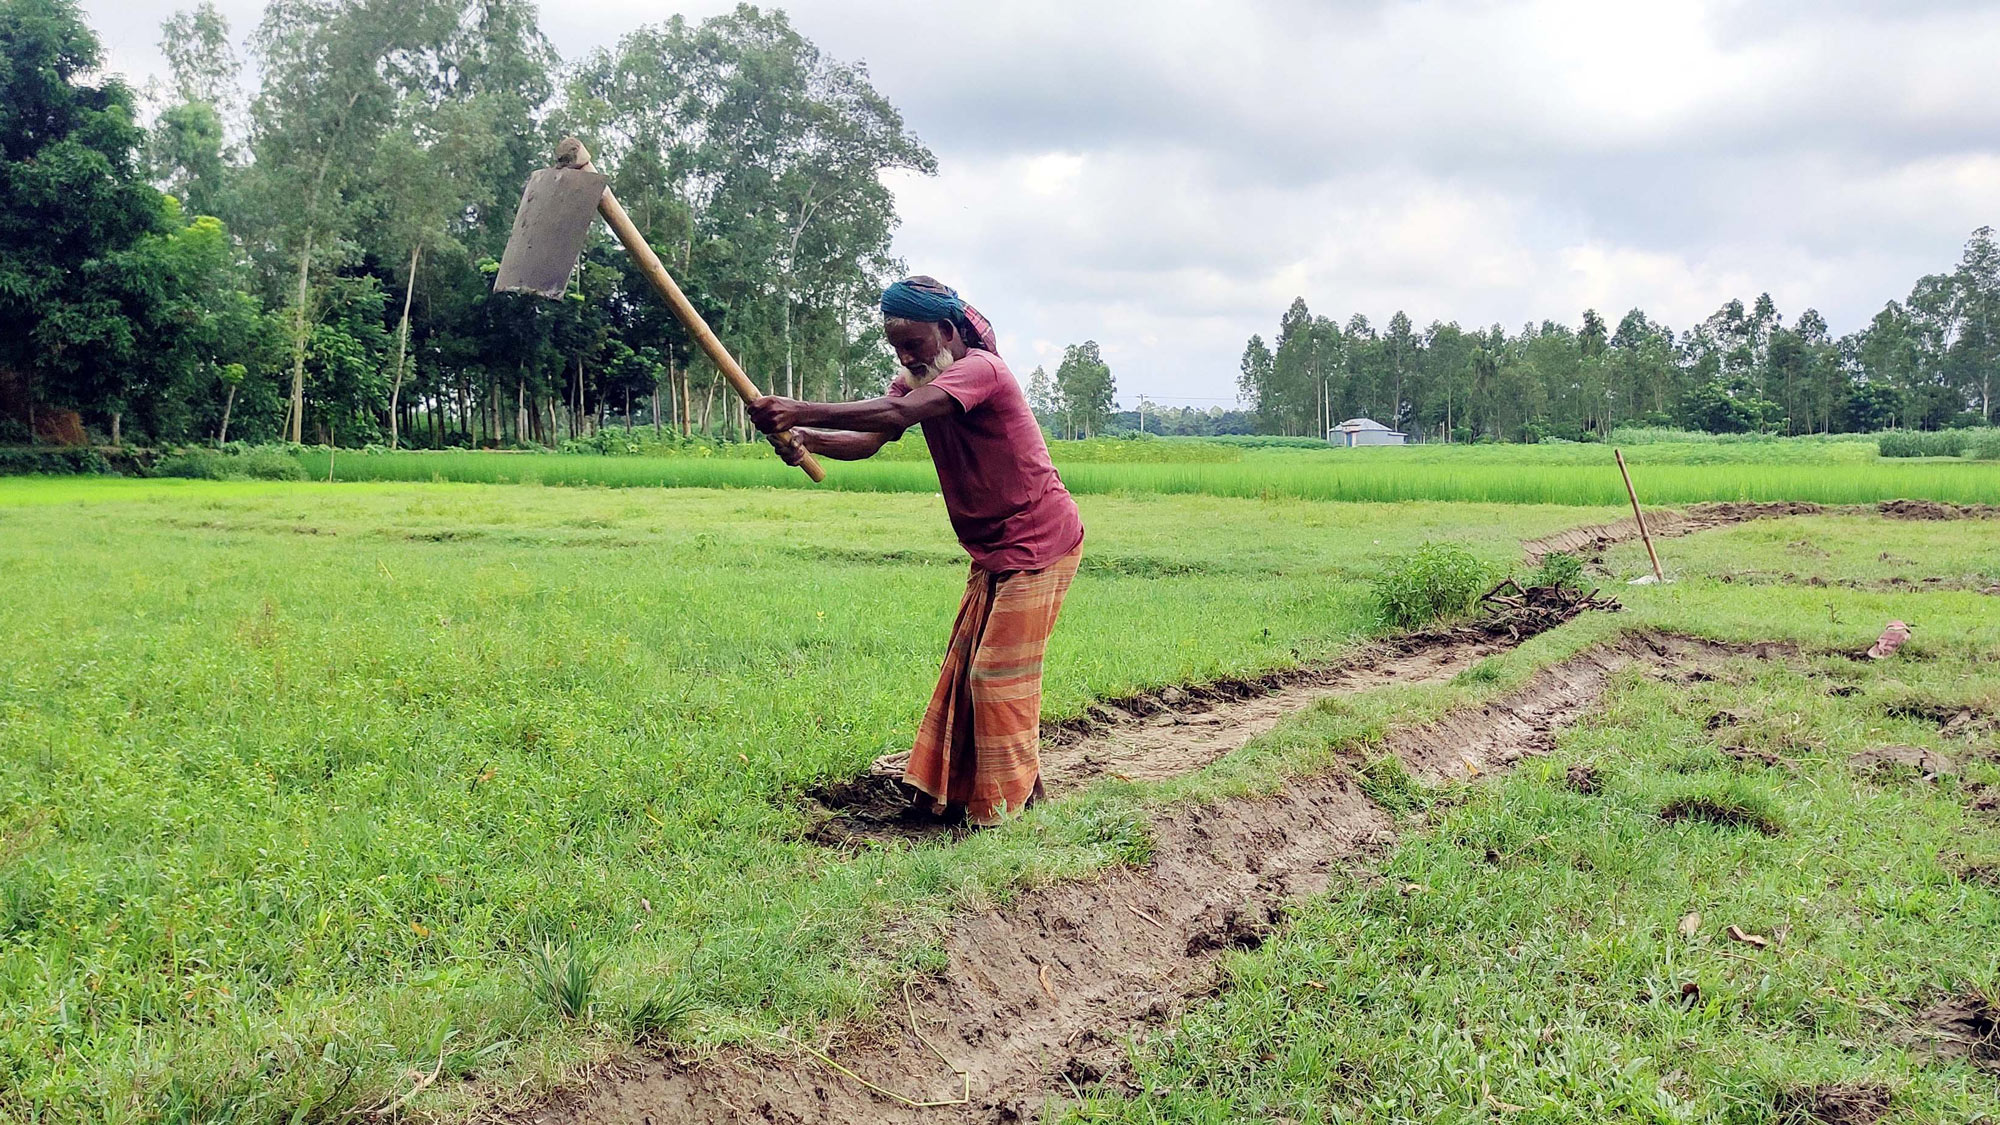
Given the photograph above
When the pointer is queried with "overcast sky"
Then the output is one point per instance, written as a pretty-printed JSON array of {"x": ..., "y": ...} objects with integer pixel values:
[{"x": 1164, "y": 177}]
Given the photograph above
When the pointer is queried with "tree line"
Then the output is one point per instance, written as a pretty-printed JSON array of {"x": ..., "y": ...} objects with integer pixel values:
[
  {"x": 1925, "y": 363},
  {"x": 310, "y": 259}
]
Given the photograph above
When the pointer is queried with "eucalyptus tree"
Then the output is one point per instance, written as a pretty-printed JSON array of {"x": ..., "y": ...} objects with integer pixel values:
[
  {"x": 189, "y": 147},
  {"x": 757, "y": 163}
]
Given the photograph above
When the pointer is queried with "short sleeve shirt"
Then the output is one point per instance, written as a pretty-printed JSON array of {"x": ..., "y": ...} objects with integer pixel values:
[{"x": 1007, "y": 505}]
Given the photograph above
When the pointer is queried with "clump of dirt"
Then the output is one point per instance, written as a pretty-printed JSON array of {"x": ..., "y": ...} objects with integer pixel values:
[
  {"x": 1959, "y": 719},
  {"x": 1584, "y": 779},
  {"x": 1986, "y": 873},
  {"x": 1933, "y": 510},
  {"x": 1891, "y": 760},
  {"x": 1055, "y": 983},
  {"x": 1964, "y": 1027},
  {"x": 1840, "y": 1103},
  {"x": 1750, "y": 754},
  {"x": 1591, "y": 541},
  {"x": 885, "y": 804},
  {"x": 1721, "y": 814}
]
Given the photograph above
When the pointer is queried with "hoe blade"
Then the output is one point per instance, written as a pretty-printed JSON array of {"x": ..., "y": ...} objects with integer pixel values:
[{"x": 549, "y": 230}]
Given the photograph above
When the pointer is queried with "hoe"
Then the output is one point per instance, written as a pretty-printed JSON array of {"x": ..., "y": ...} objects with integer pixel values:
[{"x": 548, "y": 237}]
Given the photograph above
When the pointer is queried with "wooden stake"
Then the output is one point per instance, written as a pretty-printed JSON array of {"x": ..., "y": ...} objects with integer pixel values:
[{"x": 1638, "y": 516}]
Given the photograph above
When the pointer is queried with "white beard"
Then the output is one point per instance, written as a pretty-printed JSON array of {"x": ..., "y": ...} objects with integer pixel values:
[{"x": 939, "y": 364}]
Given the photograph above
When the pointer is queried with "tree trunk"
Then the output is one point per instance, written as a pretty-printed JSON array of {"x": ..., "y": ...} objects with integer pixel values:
[
  {"x": 117, "y": 422},
  {"x": 708, "y": 404},
  {"x": 228, "y": 404},
  {"x": 402, "y": 350},
  {"x": 656, "y": 410},
  {"x": 628, "y": 412},
  {"x": 521, "y": 406},
  {"x": 687, "y": 402},
  {"x": 298, "y": 408}
]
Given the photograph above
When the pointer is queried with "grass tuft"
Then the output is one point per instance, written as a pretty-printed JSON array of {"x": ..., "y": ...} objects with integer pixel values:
[{"x": 564, "y": 975}]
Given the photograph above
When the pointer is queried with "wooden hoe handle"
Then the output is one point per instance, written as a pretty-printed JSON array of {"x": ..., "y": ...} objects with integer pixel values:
[{"x": 572, "y": 154}]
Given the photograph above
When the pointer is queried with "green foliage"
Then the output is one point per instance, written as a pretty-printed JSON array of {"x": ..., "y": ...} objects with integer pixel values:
[
  {"x": 1985, "y": 446},
  {"x": 1919, "y": 443},
  {"x": 1560, "y": 569},
  {"x": 1432, "y": 583},
  {"x": 51, "y": 461},
  {"x": 1268, "y": 441},
  {"x": 264, "y": 463}
]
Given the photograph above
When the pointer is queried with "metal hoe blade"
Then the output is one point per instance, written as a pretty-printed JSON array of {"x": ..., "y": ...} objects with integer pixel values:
[{"x": 556, "y": 211}]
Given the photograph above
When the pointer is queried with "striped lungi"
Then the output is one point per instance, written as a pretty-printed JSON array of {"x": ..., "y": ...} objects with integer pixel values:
[{"x": 979, "y": 745}]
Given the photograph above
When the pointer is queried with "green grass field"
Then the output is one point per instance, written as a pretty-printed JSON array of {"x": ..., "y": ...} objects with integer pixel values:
[
  {"x": 296, "y": 781},
  {"x": 1822, "y": 471}
]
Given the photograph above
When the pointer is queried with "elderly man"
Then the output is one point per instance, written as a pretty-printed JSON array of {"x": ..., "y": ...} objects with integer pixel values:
[{"x": 978, "y": 747}]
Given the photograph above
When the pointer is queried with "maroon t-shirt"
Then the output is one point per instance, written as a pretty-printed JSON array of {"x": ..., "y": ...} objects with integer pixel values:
[{"x": 1007, "y": 504}]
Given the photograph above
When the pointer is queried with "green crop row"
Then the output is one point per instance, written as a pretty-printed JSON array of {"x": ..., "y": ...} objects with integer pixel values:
[{"x": 1339, "y": 477}]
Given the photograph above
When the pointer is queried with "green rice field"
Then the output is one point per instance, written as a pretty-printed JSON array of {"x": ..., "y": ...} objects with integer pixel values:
[{"x": 1579, "y": 475}]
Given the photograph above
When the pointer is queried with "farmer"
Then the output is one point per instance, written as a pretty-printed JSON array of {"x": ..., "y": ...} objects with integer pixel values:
[{"x": 978, "y": 747}]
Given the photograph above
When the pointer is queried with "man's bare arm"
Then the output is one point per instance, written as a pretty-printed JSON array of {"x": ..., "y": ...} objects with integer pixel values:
[
  {"x": 844, "y": 445},
  {"x": 883, "y": 415}
]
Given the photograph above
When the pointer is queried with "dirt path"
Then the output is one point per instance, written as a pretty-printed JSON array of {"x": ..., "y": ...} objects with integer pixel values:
[
  {"x": 1590, "y": 541},
  {"x": 1040, "y": 997}
]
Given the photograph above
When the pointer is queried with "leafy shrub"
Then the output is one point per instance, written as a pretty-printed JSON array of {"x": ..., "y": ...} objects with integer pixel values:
[
  {"x": 1436, "y": 581},
  {"x": 265, "y": 463},
  {"x": 1560, "y": 569},
  {"x": 193, "y": 464},
  {"x": 268, "y": 464},
  {"x": 55, "y": 461},
  {"x": 1919, "y": 443},
  {"x": 1985, "y": 447},
  {"x": 15, "y": 432}
]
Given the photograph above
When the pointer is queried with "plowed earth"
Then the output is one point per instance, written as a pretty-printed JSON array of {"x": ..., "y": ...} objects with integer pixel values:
[{"x": 1041, "y": 997}]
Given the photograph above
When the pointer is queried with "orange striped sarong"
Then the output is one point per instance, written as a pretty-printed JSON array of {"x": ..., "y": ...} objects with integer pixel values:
[{"x": 979, "y": 744}]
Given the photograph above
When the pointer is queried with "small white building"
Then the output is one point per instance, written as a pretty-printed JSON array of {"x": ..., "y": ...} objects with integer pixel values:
[{"x": 1364, "y": 431}]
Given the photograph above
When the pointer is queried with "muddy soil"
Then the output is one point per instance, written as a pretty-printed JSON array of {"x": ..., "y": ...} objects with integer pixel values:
[
  {"x": 1838, "y": 1104},
  {"x": 1041, "y": 997},
  {"x": 1887, "y": 761},
  {"x": 1933, "y": 510},
  {"x": 1590, "y": 541},
  {"x": 1896, "y": 585},
  {"x": 1961, "y": 1027}
]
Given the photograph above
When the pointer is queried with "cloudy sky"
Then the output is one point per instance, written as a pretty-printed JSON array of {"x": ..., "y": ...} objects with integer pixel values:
[{"x": 1164, "y": 177}]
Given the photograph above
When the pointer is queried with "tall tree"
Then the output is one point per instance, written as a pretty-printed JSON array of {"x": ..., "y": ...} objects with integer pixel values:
[
  {"x": 1087, "y": 387},
  {"x": 75, "y": 302}
]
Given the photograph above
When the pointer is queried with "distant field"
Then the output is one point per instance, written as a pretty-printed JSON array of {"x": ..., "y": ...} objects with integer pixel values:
[{"x": 1824, "y": 472}]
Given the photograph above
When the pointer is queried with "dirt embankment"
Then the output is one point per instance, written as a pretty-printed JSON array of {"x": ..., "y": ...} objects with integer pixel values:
[
  {"x": 1040, "y": 997},
  {"x": 1176, "y": 730},
  {"x": 1590, "y": 541}
]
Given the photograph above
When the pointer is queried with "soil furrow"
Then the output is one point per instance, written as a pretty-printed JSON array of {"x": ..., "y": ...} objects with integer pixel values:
[
  {"x": 1591, "y": 540},
  {"x": 1042, "y": 996}
]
